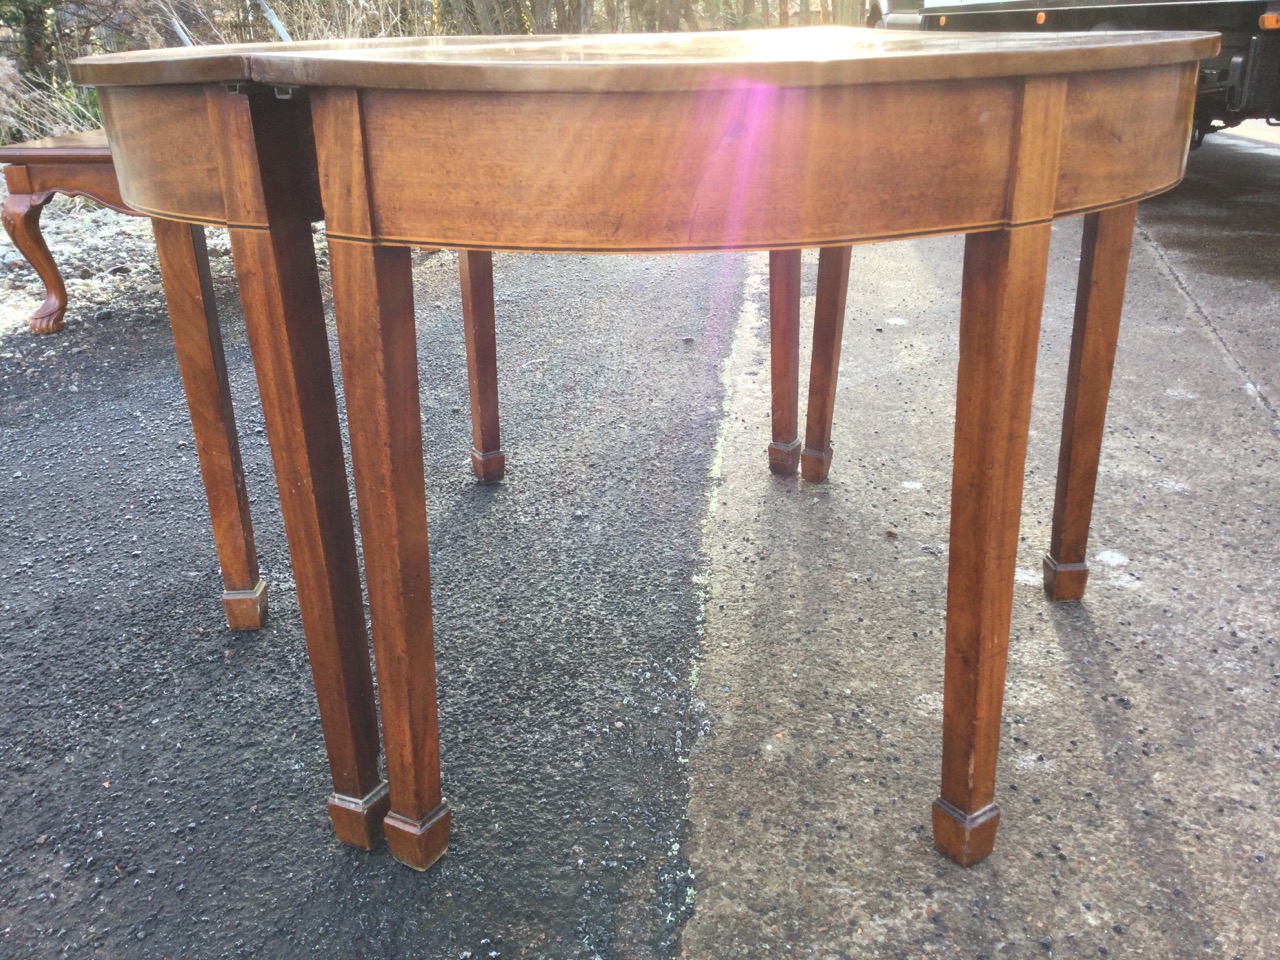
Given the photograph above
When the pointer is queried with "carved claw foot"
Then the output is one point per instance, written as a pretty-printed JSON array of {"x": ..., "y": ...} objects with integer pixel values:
[{"x": 21, "y": 216}]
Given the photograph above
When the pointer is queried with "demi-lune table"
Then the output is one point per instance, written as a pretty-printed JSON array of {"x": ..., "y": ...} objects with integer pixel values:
[{"x": 762, "y": 140}]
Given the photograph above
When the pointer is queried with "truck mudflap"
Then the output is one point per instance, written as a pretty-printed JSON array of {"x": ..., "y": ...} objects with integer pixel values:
[{"x": 1253, "y": 82}]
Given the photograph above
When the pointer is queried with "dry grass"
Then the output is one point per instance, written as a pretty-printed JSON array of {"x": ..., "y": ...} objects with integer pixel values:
[
  {"x": 213, "y": 21},
  {"x": 33, "y": 106}
]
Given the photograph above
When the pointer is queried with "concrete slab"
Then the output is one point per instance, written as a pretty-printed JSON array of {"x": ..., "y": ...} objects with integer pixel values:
[{"x": 1139, "y": 728}]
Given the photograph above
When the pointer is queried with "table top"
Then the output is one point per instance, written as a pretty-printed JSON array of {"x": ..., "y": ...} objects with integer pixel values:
[
  {"x": 86, "y": 146},
  {"x": 807, "y": 56}
]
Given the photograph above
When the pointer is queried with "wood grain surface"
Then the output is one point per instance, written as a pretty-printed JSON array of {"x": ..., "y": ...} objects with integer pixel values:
[{"x": 603, "y": 63}]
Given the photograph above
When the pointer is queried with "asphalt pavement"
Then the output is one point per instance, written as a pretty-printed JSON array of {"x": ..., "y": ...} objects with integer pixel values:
[{"x": 687, "y": 708}]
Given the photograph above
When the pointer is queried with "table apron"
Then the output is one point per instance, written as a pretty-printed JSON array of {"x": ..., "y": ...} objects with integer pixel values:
[{"x": 758, "y": 167}]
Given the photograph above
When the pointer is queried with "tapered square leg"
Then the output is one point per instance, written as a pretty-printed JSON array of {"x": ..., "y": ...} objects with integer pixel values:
[
  {"x": 1001, "y": 299},
  {"x": 476, "y": 271},
  {"x": 373, "y": 305},
  {"x": 1003, "y": 292},
  {"x": 197, "y": 339},
  {"x": 784, "y": 363},
  {"x": 824, "y": 368},
  {"x": 373, "y": 308},
  {"x": 284, "y": 315},
  {"x": 1104, "y": 266}
]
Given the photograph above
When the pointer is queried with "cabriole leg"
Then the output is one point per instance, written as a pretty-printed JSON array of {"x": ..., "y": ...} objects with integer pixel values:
[{"x": 21, "y": 216}]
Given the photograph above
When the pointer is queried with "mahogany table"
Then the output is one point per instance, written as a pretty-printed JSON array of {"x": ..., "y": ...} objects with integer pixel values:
[{"x": 770, "y": 140}]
